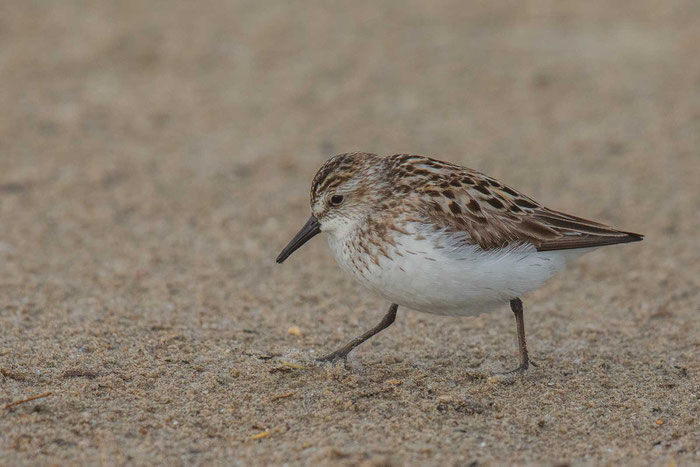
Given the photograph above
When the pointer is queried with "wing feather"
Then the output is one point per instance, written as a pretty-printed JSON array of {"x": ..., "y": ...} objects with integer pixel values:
[{"x": 493, "y": 215}]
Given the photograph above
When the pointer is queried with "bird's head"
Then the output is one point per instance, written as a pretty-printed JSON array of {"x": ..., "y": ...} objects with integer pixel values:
[{"x": 344, "y": 192}]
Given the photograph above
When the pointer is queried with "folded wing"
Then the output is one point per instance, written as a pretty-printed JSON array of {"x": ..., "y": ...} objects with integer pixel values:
[{"x": 494, "y": 215}]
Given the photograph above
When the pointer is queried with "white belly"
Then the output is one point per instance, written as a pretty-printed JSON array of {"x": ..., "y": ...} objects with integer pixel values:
[{"x": 439, "y": 274}]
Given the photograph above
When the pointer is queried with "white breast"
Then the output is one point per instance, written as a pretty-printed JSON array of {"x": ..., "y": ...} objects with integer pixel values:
[{"x": 439, "y": 273}]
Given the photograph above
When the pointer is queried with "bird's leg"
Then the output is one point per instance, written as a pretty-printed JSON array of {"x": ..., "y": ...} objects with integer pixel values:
[
  {"x": 347, "y": 348},
  {"x": 517, "y": 306}
]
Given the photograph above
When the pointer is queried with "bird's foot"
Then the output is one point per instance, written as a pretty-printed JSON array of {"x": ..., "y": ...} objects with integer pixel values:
[
  {"x": 521, "y": 369},
  {"x": 333, "y": 356}
]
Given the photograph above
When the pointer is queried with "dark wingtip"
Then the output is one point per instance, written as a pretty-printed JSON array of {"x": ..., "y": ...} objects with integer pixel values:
[
  {"x": 633, "y": 237},
  {"x": 591, "y": 242}
]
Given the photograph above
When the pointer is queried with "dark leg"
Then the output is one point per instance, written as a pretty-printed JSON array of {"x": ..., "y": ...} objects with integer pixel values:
[
  {"x": 517, "y": 306},
  {"x": 383, "y": 324}
]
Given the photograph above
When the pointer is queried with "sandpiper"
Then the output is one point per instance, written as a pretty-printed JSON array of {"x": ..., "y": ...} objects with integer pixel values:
[{"x": 440, "y": 238}]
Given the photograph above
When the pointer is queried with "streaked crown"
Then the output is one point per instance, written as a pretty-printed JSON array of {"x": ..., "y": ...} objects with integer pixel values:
[{"x": 346, "y": 187}]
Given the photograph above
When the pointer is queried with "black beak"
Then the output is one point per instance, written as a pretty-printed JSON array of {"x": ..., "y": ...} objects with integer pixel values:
[{"x": 310, "y": 229}]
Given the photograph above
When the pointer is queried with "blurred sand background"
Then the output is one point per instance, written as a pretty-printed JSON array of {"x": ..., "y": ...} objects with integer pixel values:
[{"x": 156, "y": 156}]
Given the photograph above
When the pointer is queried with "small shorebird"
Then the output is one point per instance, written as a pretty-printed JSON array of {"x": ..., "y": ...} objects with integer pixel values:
[{"x": 440, "y": 238}]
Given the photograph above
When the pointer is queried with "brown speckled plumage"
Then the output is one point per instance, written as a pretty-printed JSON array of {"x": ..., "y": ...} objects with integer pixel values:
[{"x": 459, "y": 199}]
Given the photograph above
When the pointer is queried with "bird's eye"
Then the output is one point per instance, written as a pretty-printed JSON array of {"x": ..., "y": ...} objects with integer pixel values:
[{"x": 336, "y": 200}]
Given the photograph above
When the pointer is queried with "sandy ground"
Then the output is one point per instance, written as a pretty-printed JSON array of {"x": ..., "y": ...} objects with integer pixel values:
[{"x": 156, "y": 156}]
